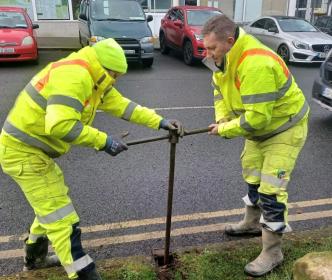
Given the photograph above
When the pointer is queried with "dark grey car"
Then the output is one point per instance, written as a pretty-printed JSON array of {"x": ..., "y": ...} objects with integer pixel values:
[
  {"x": 124, "y": 20},
  {"x": 322, "y": 88}
]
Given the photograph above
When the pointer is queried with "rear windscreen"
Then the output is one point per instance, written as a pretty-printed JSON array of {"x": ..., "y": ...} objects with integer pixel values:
[{"x": 116, "y": 10}]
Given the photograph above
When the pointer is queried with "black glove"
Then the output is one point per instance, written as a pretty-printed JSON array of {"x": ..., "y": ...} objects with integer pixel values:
[
  {"x": 114, "y": 147},
  {"x": 172, "y": 125}
]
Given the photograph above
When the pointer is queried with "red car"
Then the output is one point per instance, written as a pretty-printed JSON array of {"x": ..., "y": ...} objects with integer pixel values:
[
  {"x": 181, "y": 30},
  {"x": 17, "y": 35}
]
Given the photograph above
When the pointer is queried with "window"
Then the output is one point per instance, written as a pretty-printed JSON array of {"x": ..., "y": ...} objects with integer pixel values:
[
  {"x": 329, "y": 24},
  {"x": 76, "y": 7},
  {"x": 52, "y": 9},
  {"x": 161, "y": 4},
  {"x": 19, "y": 3},
  {"x": 270, "y": 24},
  {"x": 321, "y": 21},
  {"x": 301, "y": 3},
  {"x": 259, "y": 23}
]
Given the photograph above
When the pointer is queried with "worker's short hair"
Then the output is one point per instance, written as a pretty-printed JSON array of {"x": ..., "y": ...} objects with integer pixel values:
[{"x": 221, "y": 25}]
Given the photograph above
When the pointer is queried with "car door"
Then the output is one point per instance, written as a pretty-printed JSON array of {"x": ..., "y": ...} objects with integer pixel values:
[
  {"x": 174, "y": 28},
  {"x": 271, "y": 34},
  {"x": 179, "y": 28},
  {"x": 83, "y": 23},
  {"x": 257, "y": 28}
]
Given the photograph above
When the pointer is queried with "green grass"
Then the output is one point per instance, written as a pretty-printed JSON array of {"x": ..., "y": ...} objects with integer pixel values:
[{"x": 222, "y": 262}]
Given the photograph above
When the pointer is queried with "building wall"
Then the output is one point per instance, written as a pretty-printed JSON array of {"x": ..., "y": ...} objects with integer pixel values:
[{"x": 272, "y": 7}]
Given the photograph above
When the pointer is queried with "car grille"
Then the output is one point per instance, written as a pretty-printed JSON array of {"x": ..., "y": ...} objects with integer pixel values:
[
  {"x": 131, "y": 48},
  {"x": 322, "y": 47}
]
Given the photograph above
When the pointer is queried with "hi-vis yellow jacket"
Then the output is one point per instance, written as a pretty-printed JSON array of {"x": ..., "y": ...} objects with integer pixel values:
[
  {"x": 57, "y": 107},
  {"x": 255, "y": 94}
]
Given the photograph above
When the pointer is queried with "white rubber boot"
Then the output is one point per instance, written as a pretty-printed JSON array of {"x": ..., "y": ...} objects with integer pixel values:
[
  {"x": 270, "y": 257},
  {"x": 249, "y": 225}
]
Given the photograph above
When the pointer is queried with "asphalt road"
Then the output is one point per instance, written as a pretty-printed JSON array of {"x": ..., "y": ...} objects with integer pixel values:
[{"x": 132, "y": 187}]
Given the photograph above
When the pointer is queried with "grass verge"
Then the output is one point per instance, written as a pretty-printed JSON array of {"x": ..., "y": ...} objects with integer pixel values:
[{"x": 219, "y": 261}]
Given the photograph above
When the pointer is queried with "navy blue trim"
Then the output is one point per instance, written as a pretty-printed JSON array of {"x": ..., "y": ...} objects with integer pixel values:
[
  {"x": 253, "y": 193},
  {"x": 272, "y": 210}
]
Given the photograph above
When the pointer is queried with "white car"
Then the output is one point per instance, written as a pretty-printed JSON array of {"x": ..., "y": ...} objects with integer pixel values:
[{"x": 294, "y": 39}]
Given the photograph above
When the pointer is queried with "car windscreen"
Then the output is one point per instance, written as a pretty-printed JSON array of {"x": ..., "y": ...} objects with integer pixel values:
[
  {"x": 116, "y": 10},
  {"x": 12, "y": 20},
  {"x": 296, "y": 25},
  {"x": 200, "y": 17}
]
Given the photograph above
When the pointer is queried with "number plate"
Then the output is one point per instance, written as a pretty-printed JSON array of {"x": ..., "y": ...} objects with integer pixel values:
[
  {"x": 129, "y": 51},
  {"x": 7, "y": 50},
  {"x": 327, "y": 93}
]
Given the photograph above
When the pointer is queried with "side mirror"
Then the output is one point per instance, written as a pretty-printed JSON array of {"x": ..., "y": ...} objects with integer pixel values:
[
  {"x": 149, "y": 18},
  {"x": 83, "y": 17},
  {"x": 273, "y": 29},
  {"x": 178, "y": 23},
  {"x": 35, "y": 26}
]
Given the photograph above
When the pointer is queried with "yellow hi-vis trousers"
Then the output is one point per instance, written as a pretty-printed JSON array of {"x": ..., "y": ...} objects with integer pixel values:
[
  {"x": 42, "y": 182},
  {"x": 267, "y": 168}
]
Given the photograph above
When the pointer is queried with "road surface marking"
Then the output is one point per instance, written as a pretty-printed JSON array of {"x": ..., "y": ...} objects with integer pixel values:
[{"x": 92, "y": 243}]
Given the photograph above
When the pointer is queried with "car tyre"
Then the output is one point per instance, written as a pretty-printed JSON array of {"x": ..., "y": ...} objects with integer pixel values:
[
  {"x": 147, "y": 62},
  {"x": 164, "y": 49},
  {"x": 188, "y": 55},
  {"x": 283, "y": 51}
]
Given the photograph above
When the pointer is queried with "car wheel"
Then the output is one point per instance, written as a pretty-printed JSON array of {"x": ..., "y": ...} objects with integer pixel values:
[
  {"x": 188, "y": 56},
  {"x": 164, "y": 49},
  {"x": 147, "y": 62},
  {"x": 283, "y": 51}
]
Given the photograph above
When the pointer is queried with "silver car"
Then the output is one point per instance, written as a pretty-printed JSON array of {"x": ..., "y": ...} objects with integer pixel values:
[{"x": 294, "y": 39}]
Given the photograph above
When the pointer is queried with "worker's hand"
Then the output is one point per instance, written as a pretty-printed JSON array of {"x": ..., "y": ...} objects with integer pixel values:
[
  {"x": 213, "y": 129},
  {"x": 114, "y": 147},
  {"x": 172, "y": 125}
]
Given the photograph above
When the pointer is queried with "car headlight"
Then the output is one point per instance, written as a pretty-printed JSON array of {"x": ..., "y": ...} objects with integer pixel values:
[
  {"x": 95, "y": 39},
  {"x": 27, "y": 41},
  {"x": 300, "y": 45},
  {"x": 198, "y": 37},
  {"x": 146, "y": 40}
]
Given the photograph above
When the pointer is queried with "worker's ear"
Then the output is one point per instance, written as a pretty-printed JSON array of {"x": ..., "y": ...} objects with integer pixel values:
[{"x": 230, "y": 41}]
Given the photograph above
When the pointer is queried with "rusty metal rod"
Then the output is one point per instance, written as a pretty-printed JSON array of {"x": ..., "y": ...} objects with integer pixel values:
[
  {"x": 154, "y": 139},
  {"x": 173, "y": 139}
]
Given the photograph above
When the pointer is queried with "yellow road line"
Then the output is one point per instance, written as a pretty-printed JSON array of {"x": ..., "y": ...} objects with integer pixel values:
[
  {"x": 161, "y": 234},
  {"x": 179, "y": 218}
]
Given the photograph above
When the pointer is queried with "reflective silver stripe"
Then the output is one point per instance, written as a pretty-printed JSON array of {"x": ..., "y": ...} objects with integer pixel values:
[
  {"x": 217, "y": 97},
  {"x": 274, "y": 181},
  {"x": 129, "y": 111},
  {"x": 57, "y": 214},
  {"x": 245, "y": 125},
  {"x": 258, "y": 98},
  {"x": 27, "y": 139},
  {"x": 266, "y": 97},
  {"x": 285, "y": 87},
  {"x": 36, "y": 96},
  {"x": 102, "y": 78},
  {"x": 74, "y": 132},
  {"x": 251, "y": 172},
  {"x": 215, "y": 86},
  {"x": 65, "y": 100},
  {"x": 293, "y": 121},
  {"x": 78, "y": 264},
  {"x": 34, "y": 237},
  {"x": 247, "y": 201}
]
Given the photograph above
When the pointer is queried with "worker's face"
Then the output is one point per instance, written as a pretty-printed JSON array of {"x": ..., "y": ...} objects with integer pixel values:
[{"x": 217, "y": 48}]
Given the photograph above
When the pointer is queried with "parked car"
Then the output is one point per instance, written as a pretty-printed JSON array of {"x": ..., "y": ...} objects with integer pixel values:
[
  {"x": 17, "y": 35},
  {"x": 125, "y": 21},
  {"x": 294, "y": 39},
  {"x": 181, "y": 30},
  {"x": 324, "y": 24},
  {"x": 322, "y": 88}
]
